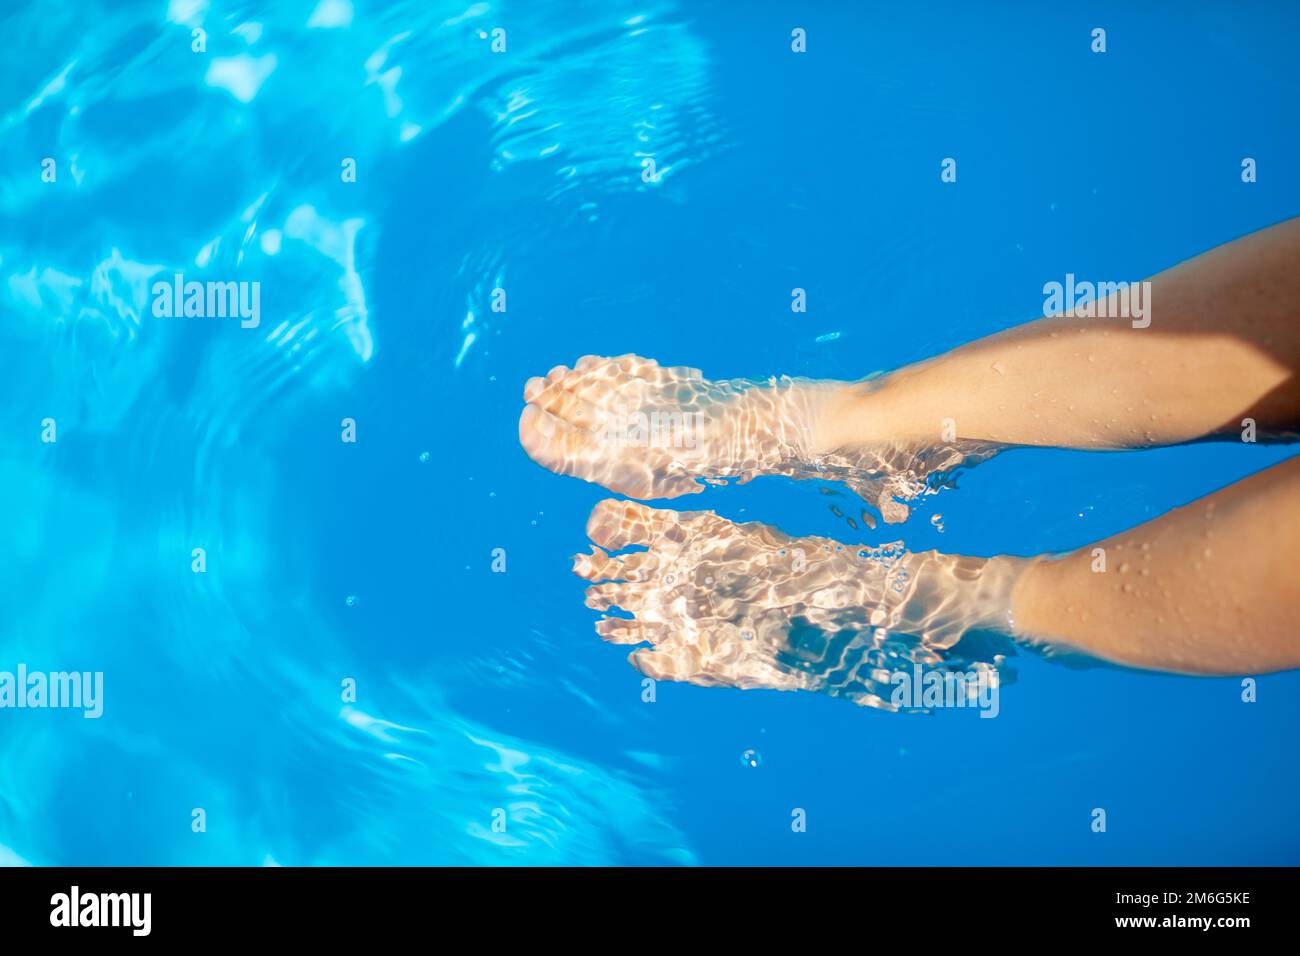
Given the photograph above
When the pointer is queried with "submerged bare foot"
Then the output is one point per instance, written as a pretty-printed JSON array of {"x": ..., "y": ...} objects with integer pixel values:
[
  {"x": 749, "y": 606},
  {"x": 650, "y": 432},
  {"x": 646, "y": 431}
]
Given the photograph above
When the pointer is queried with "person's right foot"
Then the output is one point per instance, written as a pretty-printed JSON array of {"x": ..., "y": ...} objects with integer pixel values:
[{"x": 651, "y": 432}]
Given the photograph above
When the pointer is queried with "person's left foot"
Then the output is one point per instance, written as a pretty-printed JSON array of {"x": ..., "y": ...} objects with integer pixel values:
[{"x": 749, "y": 606}]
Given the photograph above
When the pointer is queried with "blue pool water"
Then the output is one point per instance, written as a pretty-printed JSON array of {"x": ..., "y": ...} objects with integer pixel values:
[{"x": 479, "y": 692}]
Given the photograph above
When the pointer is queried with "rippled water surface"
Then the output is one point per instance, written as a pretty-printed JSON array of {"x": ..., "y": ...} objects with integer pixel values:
[{"x": 483, "y": 696}]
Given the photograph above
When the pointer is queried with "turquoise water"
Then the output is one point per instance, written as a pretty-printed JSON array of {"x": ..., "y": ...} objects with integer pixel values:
[{"x": 484, "y": 696}]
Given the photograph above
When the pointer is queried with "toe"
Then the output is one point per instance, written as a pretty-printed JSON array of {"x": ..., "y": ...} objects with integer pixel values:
[
  {"x": 566, "y": 406},
  {"x": 553, "y": 443},
  {"x": 616, "y": 524},
  {"x": 616, "y": 630},
  {"x": 533, "y": 387},
  {"x": 664, "y": 664},
  {"x": 598, "y": 566},
  {"x": 629, "y": 597}
]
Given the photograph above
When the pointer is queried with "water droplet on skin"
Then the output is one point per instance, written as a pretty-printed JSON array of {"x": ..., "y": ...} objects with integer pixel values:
[
  {"x": 1123, "y": 568},
  {"x": 751, "y": 758},
  {"x": 997, "y": 367}
]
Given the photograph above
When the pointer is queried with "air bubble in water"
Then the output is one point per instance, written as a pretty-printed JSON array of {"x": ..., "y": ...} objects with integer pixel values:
[
  {"x": 937, "y": 521},
  {"x": 352, "y": 600},
  {"x": 751, "y": 758},
  {"x": 424, "y": 457}
]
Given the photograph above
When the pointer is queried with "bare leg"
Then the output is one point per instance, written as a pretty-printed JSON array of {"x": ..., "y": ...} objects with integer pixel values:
[
  {"x": 1209, "y": 588},
  {"x": 1223, "y": 345}
]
